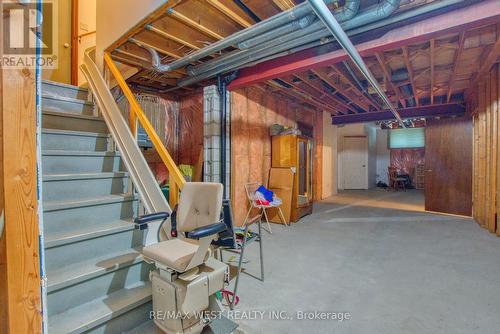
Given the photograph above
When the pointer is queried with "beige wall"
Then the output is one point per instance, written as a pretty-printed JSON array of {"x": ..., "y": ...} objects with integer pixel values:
[
  {"x": 87, "y": 22},
  {"x": 63, "y": 72},
  {"x": 360, "y": 129},
  {"x": 329, "y": 170},
  {"x": 116, "y": 17}
]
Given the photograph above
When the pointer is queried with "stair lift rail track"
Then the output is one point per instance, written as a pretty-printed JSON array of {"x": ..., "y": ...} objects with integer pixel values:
[{"x": 140, "y": 173}]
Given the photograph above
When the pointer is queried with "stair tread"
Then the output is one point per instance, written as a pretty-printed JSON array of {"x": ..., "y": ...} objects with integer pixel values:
[
  {"x": 71, "y": 114},
  {"x": 76, "y": 133},
  {"x": 65, "y": 85},
  {"x": 81, "y": 153},
  {"x": 89, "y": 315},
  {"x": 84, "y": 270},
  {"x": 83, "y": 176},
  {"x": 86, "y": 232},
  {"x": 67, "y": 99},
  {"x": 113, "y": 198}
]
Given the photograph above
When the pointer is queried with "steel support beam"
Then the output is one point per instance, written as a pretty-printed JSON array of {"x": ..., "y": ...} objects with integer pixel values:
[{"x": 450, "y": 109}]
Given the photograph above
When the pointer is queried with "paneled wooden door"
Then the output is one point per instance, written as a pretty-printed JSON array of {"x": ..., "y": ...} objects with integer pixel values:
[{"x": 448, "y": 166}]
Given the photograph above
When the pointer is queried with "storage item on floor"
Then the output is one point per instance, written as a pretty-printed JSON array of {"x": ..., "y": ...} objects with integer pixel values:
[
  {"x": 281, "y": 183},
  {"x": 295, "y": 152},
  {"x": 255, "y": 203}
]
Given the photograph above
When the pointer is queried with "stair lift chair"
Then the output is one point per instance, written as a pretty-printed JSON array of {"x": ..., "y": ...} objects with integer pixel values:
[{"x": 187, "y": 277}]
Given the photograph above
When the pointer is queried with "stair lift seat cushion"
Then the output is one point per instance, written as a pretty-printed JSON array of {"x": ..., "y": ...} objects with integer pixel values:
[
  {"x": 200, "y": 205},
  {"x": 174, "y": 253}
]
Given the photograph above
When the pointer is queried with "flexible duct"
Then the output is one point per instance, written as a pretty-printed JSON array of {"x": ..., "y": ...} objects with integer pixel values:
[
  {"x": 314, "y": 32},
  {"x": 255, "y": 30},
  {"x": 324, "y": 39},
  {"x": 345, "y": 13},
  {"x": 285, "y": 29}
]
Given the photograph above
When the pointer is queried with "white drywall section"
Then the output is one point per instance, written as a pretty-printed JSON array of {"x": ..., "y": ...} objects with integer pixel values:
[{"x": 360, "y": 129}]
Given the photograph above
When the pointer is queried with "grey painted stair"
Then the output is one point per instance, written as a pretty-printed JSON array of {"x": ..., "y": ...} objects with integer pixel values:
[
  {"x": 61, "y": 161},
  {"x": 54, "y": 139},
  {"x": 67, "y": 104},
  {"x": 113, "y": 311},
  {"x": 67, "y": 216},
  {"x": 97, "y": 279},
  {"x": 64, "y": 90},
  {"x": 72, "y": 122},
  {"x": 59, "y": 187}
]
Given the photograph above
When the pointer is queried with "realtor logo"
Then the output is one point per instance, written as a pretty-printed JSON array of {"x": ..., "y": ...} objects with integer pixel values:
[{"x": 29, "y": 27}]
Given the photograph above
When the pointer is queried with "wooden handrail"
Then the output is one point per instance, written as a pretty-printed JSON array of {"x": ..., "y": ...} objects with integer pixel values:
[
  {"x": 177, "y": 180},
  {"x": 86, "y": 34}
]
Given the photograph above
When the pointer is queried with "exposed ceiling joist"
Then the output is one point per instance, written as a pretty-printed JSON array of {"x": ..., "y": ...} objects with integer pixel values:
[
  {"x": 387, "y": 73},
  {"x": 484, "y": 13},
  {"x": 229, "y": 13},
  {"x": 456, "y": 62},
  {"x": 201, "y": 28},
  {"x": 489, "y": 60},
  {"x": 409, "y": 68}
]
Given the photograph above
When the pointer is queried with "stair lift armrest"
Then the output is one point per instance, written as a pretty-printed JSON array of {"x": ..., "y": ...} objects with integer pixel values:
[
  {"x": 206, "y": 231},
  {"x": 141, "y": 222}
]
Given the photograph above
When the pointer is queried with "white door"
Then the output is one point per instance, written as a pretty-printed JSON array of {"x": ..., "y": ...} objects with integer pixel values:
[{"x": 355, "y": 162}]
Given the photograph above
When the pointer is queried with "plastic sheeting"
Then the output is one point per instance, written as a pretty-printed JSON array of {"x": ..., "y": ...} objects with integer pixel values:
[{"x": 405, "y": 159}]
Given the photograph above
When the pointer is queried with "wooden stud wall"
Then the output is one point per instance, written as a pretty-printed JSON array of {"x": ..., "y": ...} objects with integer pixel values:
[{"x": 485, "y": 108}]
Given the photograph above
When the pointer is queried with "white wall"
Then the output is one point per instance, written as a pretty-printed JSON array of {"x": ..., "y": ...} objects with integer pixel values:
[
  {"x": 359, "y": 129},
  {"x": 87, "y": 22},
  {"x": 329, "y": 170},
  {"x": 383, "y": 156}
]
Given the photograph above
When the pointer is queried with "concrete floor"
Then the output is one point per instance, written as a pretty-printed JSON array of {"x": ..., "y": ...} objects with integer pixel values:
[{"x": 393, "y": 267}]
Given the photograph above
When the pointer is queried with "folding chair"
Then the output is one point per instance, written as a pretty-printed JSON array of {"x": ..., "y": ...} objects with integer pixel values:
[{"x": 250, "y": 189}]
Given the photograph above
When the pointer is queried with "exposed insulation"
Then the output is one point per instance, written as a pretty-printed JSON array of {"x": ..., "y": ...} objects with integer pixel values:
[
  {"x": 253, "y": 112},
  {"x": 405, "y": 160}
]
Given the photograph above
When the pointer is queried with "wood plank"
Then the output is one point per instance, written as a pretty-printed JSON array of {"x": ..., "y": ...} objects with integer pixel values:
[
  {"x": 489, "y": 60},
  {"x": 19, "y": 252},
  {"x": 448, "y": 160},
  {"x": 456, "y": 62},
  {"x": 494, "y": 149},
  {"x": 432, "y": 50},
  {"x": 229, "y": 13},
  {"x": 190, "y": 22},
  {"x": 487, "y": 143},
  {"x": 409, "y": 68},
  {"x": 387, "y": 72},
  {"x": 145, "y": 21},
  {"x": 481, "y": 154},
  {"x": 497, "y": 134}
]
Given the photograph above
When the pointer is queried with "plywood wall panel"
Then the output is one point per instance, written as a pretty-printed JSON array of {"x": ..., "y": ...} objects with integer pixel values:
[
  {"x": 486, "y": 183},
  {"x": 253, "y": 111}
]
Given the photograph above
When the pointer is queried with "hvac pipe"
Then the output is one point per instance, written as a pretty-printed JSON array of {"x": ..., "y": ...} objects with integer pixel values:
[
  {"x": 345, "y": 13},
  {"x": 257, "y": 29},
  {"x": 312, "y": 33},
  {"x": 319, "y": 7},
  {"x": 325, "y": 39}
]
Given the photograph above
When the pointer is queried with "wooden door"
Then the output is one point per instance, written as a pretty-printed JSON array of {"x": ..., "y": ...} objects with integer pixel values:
[
  {"x": 355, "y": 162},
  {"x": 448, "y": 166}
]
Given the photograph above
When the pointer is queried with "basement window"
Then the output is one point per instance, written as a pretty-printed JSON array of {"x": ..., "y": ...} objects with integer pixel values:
[{"x": 407, "y": 138}]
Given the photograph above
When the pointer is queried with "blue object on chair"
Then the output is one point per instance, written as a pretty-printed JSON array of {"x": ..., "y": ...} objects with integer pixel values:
[{"x": 268, "y": 194}]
